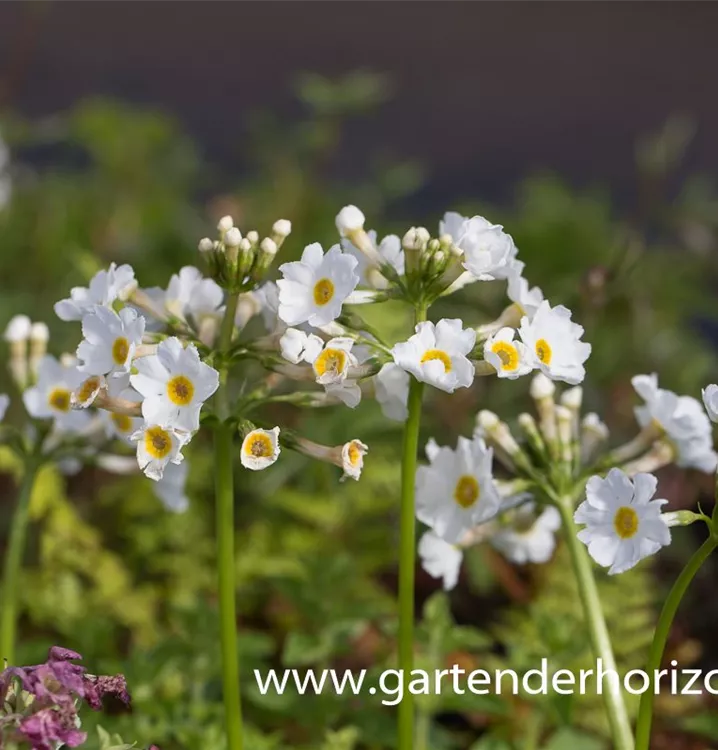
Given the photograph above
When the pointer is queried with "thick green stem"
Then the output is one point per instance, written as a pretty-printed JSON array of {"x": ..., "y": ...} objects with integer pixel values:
[
  {"x": 597, "y": 630},
  {"x": 407, "y": 551},
  {"x": 224, "y": 500},
  {"x": 660, "y": 637},
  {"x": 13, "y": 563}
]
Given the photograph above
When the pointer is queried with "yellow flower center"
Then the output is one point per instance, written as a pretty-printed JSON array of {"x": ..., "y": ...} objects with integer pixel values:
[
  {"x": 122, "y": 422},
  {"x": 437, "y": 354},
  {"x": 259, "y": 445},
  {"x": 330, "y": 360},
  {"x": 158, "y": 442},
  {"x": 180, "y": 390},
  {"x": 323, "y": 291},
  {"x": 507, "y": 353},
  {"x": 88, "y": 389},
  {"x": 543, "y": 351},
  {"x": 120, "y": 350},
  {"x": 466, "y": 492},
  {"x": 354, "y": 453},
  {"x": 625, "y": 522},
  {"x": 59, "y": 399}
]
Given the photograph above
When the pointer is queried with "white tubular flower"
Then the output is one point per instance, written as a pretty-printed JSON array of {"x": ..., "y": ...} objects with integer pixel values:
[
  {"x": 260, "y": 449},
  {"x": 391, "y": 387},
  {"x": 555, "y": 343},
  {"x": 4, "y": 403},
  {"x": 683, "y": 420},
  {"x": 489, "y": 253},
  {"x": 175, "y": 384},
  {"x": 189, "y": 294},
  {"x": 528, "y": 300},
  {"x": 528, "y": 538},
  {"x": 119, "y": 425},
  {"x": 158, "y": 446},
  {"x": 623, "y": 522},
  {"x": 438, "y": 354},
  {"x": 710, "y": 401},
  {"x": 297, "y": 346},
  {"x": 390, "y": 252},
  {"x": 511, "y": 359},
  {"x": 170, "y": 489},
  {"x": 110, "y": 340},
  {"x": 440, "y": 559},
  {"x": 456, "y": 491},
  {"x": 51, "y": 397},
  {"x": 105, "y": 287},
  {"x": 350, "y": 219},
  {"x": 314, "y": 288}
]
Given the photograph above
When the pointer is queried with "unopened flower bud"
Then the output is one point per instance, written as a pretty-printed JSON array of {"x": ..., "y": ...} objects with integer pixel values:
[
  {"x": 39, "y": 336},
  {"x": 487, "y": 420},
  {"x": 268, "y": 246},
  {"x": 542, "y": 387},
  {"x": 18, "y": 329},
  {"x": 206, "y": 245},
  {"x": 681, "y": 518},
  {"x": 572, "y": 398},
  {"x": 253, "y": 237},
  {"x": 224, "y": 225},
  {"x": 245, "y": 245},
  {"x": 267, "y": 251},
  {"x": 438, "y": 262},
  {"x": 349, "y": 220},
  {"x": 417, "y": 238},
  {"x": 528, "y": 424},
  {"x": 232, "y": 237},
  {"x": 564, "y": 421},
  {"x": 281, "y": 228}
]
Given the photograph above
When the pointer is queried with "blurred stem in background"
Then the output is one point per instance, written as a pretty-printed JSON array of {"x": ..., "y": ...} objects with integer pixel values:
[
  {"x": 13, "y": 561},
  {"x": 620, "y": 725},
  {"x": 224, "y": 499},
  {"x": 407, "y": 552}
]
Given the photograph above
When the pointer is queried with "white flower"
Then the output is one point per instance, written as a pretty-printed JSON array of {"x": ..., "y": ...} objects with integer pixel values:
[
  {"x": 314, "y": 288},
  {"x": 297, "y": 346},
  {"x": 189, "y": 294},
  {"x": 349, "y": 219},
  {"x": 51, "y": 397},
  {"x": 710, "y": 401},
  {"x": 509, "y": 358},
  {"x": 489, "y": 253},
  {"x": 158, "y": 446},
  {"x": 390, "y": 251},
  {"x": 4, "y": 403},
  {"x": 456, "y": 491},
  {"x": 391, "y": 387},
  {"x": 175, "y": 383},
  {"x": 110, "y": 340},
  {"x": 527, "y": 538},
  {"x": 170, "y": 489},
  {"x": 440, "y": 559},
  {"x": 683, "y": 420},
  {"x": 623, "y": 524},
  {"x": 437, "y": 354},
  {"x": 331, "y": 364},
  {"x": 105, "y": 287},
  {"x": 453, "y": 225},
  {"x": 353, "y": 454},
  {"x": 121, "y": 425},
  {"x": 555, "y": 343},
  {"x": 260, "y": 449},
  {"x": 527, "y": 299}
]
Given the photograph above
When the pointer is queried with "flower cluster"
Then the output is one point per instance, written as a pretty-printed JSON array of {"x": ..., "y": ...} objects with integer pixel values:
[{"x": 40, "y": 703}]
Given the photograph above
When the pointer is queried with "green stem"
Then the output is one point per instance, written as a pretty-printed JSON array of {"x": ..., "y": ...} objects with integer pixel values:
[
  {"x": 224, "y": 500},
  {"x": 597, "y": 630},
  {"x": 660, "y": 637},
  {"x": 13, "y": 562},
  {"x": 407, "y": 552}
]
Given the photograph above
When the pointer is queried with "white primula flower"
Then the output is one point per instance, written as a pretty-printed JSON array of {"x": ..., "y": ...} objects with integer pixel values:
[
  {"x": 390, "y": 251},
  {"x": 489, "y": 253},
  {"x": 120, "y": 425},
  {"x": 527, "y": 538},
  {"x": 623, "y": 522},
  {"x": 391, "y": 387},
  {"x": 456, "y": 491},
  {"x": 314, "y": 288},
  {"x": 527, "y": 299},
  {"x": 51, "y": 397},
  {"x": 158, "y": 446},
  {"x": 683, "y": 420},
  {"x": 105, "y": 287},
  {"x": 331, "y": 365},
  {"x": 453, "y": 225},
  {"x": 353, "y": 454},
  {"x": 110, "y": 340},
  {"x": 260, "y": 449},
  {"x": 175, "y": 384},
  {"x": 555, "y": 343},
  {"x": 4, "y": 403},
  {"x": 509, "y": 358},
  {"x": 710, "y": 401},
  {"x": 297, "y": 346},
  {"x": 170, "y": 489},
  {"x": 190, "y": 295},
  {"x": 440, "y": 559},
  {"x": 437, "y": 354}
]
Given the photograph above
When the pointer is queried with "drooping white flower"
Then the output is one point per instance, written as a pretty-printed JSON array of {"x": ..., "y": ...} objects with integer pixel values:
[
  {"x": 190, "y": 295},
  {"x": 623, "y": 523},
  {"x": 260, "y": 449},
  {"x": 456, "y": 491},
  {"x": 353, "y": 454},
  {"x": 527, "y": 299},
  {"x": 438, "y": 354},
  {"x": 314, "y": 288},
  {"x": 170, "y": 489},
  {"x": 511, "y": 359},
  {"x": 390, "y": 252},
  {"x": 440, "y": 559},
  {"x": 526, "y": 537},
  {"x": 175, "y": 384},
  {"x": 710, "y": 401},
  {"x": 118, "y": 425},
  {"x": 331, "y": 365},
  {"x": 489, "y": 253},
  {"x": 105, "y": 287},
  {"x": 110, "y": 340},
  {"x": 158, "y": 446},
  {"x": 555, "y": 343},
  {"x": 51, "y": 397},
  {"x": 683, "y": 420},
  {"x": 4, "y": 403},
  {"x": 297, "y": 346},
  {"x": 391, "y": 387}
]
